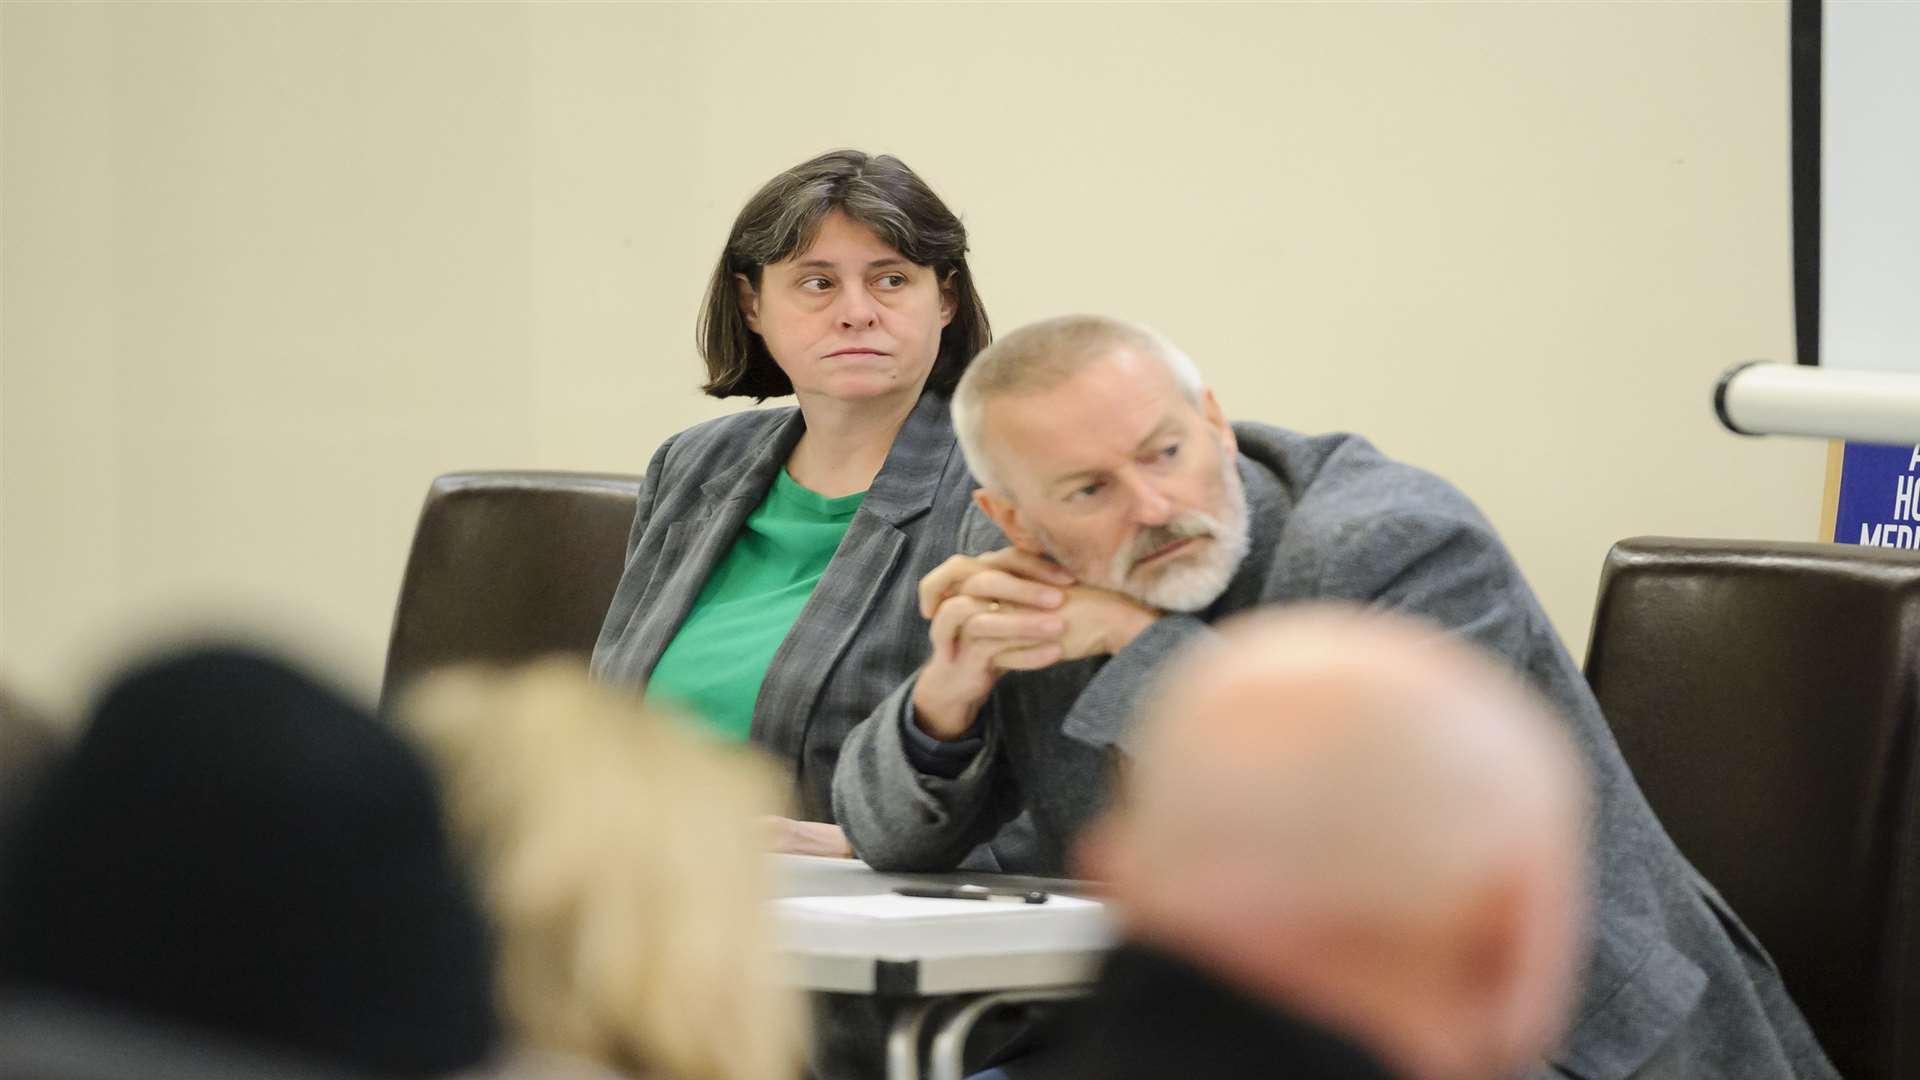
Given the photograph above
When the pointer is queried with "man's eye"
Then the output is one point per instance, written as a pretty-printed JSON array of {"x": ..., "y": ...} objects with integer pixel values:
[
  {"x": 1171, "y": 451},
  {"x": 816, "y": 284},
  {"x": 1085, "y": 491}
]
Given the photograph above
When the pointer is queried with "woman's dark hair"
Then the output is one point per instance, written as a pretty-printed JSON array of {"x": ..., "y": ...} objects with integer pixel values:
[{"x": 784, "y": 217}]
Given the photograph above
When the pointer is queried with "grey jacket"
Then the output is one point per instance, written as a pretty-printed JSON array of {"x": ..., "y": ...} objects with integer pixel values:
[
  {"x": 1675, "y": 986},
  {"x": 859, "y": 634}
]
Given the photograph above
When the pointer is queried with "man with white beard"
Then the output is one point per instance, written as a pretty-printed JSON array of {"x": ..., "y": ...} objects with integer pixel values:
[{"x": 1119, "y": 515}]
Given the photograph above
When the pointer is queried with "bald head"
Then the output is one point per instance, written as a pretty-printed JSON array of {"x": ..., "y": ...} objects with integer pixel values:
[
  {"x": 1366, "y": 818},
  {"x": 1364, "y": 748}
]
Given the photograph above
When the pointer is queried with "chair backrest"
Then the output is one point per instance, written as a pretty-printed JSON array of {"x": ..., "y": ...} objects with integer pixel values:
[
  {"x": 1764, "y": 695},
  {"x": 509, "y": 566}
]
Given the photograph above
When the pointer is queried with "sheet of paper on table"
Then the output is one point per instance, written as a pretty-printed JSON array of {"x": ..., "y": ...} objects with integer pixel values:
[
  {"x": 818, "y": 875},
  {"x": 887, "y": 924}
]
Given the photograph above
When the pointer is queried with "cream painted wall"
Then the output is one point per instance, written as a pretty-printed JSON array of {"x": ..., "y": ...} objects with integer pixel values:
[{"x": 269, "y": 268}]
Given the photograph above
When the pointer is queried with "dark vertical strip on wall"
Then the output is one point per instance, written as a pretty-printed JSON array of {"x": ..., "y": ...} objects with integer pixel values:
[{"x": 1805, "y": 20}]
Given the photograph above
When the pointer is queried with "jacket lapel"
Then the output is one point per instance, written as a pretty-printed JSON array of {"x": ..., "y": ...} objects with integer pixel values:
[
  {"x": 697, "y": 542},
  {"x": 856, "y": 580}
]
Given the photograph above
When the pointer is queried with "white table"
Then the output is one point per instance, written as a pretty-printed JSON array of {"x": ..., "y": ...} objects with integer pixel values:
[{"x": 950, "y": 966}]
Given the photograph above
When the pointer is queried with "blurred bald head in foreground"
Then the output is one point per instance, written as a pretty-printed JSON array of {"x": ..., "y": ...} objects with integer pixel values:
[{"x": 1366, "y": 824}]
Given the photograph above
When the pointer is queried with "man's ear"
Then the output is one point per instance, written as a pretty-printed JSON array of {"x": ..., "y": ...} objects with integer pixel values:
[
  {"x": 1528, "y": 932},
  {"x": 1492, "y": 926},
  {"x": 1006, "y": 514},
  {"x": 1498, "y": 964},
  {"x": 749, "y": 300},
  {"x": 1217, "y": 419},
  {"x": 949, "y": 298},
  {"x": 1101, "y": 852}
]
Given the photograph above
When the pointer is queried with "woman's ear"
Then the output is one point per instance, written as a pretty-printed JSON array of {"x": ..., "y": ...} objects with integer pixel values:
[
  {"x": 749, "y": 299},
  {"x": 949, "y": 298}
]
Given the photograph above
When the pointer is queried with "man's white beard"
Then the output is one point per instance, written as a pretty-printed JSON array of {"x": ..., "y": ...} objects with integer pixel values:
[{"x": 1190, "y": 582}]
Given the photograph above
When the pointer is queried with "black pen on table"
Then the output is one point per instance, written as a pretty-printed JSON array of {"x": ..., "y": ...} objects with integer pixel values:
[{"x": 972, "y": 892}]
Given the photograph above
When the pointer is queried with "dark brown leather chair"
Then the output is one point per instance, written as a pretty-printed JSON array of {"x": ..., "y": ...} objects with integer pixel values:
[
  {"x": 1767, "y": 697},
  {"x": 509, "y": 566}
]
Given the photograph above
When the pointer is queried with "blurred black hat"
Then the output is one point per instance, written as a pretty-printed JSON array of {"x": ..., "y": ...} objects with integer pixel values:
[{"x": 233, "y": 846}]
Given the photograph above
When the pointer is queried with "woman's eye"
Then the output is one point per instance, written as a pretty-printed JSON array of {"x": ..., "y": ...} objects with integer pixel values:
[
  {"x": 893, "y": 281},
  {"x": 1171, "y": 451},
  {"x": 816, "y": 284}
]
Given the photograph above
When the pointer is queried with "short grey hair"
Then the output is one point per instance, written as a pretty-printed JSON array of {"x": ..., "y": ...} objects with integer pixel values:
[{"x": 1041, "y": 356}]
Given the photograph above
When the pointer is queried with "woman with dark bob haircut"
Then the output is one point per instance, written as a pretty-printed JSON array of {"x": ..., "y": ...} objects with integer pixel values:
[{"x": 771, "y": 575}]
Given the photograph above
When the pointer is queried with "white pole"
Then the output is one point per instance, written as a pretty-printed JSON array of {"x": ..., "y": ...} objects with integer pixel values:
[{"x": 1762, "y": 398}]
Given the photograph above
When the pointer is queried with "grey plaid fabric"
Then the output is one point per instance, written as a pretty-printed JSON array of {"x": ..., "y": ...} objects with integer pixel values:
[
  {"x": 860, "y": 634},
  {"x": 1675, "y": 986}
]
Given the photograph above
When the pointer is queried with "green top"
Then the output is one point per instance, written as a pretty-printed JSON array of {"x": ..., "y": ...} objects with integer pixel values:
[{"x": 714, "y": 666}]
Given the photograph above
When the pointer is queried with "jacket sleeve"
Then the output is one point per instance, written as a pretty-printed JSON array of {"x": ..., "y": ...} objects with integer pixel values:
[
  {"x": 899, "y": 818},
  {"x": 1103, "y": 713},
  {"x": 636, "y": 572}
]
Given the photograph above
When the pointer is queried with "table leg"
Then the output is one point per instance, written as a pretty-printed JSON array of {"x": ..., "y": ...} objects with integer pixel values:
[
  {"x": 950, "y": 1044},
  {"x": 903, "y": 1041}
]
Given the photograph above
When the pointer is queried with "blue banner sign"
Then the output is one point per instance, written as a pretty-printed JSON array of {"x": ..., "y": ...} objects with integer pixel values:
[{"x": 1879, "y": 496}]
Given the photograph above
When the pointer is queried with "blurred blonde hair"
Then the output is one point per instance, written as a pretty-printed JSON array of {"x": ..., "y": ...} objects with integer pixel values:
[{"x": 619, "y": 856}]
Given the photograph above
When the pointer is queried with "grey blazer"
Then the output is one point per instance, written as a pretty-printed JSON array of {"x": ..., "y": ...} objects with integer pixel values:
[
  {"x": 858, "y": 636},
  {"x": 1674, "y": 987}
]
